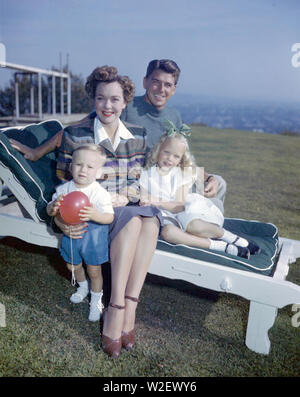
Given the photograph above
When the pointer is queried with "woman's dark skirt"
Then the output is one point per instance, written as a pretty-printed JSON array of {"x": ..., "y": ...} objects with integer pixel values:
[{"x": 124, "y": 214}]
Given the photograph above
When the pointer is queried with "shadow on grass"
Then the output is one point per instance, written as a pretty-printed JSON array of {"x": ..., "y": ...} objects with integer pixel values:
[
  {"x": 52, "y": 254},
  {"x": 183, "y": 286},
  {"x": 37, "y": 278},
  {"x": 179, "y": 306}
]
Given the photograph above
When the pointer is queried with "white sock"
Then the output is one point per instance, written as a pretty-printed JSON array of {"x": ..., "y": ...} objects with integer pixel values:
[
  {"x": 231, "y": 237},
  {"x": 96, "y": 306},
  {"x": 232, "y": 249},
  {"x": 83, "y": 284},
  {"x": 81, "y": 292},
  {"x": 219, "y": 245},
  {"x": 96, "y": 296}
]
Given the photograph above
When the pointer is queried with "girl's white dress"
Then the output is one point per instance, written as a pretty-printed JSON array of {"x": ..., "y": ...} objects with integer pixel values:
[{"x": 164, "y": 188}]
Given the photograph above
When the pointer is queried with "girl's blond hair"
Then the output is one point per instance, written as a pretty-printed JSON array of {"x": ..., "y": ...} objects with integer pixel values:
[{"x": 187, "y": 158}]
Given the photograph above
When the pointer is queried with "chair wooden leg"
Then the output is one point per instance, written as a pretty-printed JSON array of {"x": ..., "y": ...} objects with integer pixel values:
[{"x": 261, "y": 318}]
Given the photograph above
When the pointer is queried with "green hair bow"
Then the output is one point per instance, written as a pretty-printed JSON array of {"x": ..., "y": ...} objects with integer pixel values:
[{"x": 171, "y": 129}]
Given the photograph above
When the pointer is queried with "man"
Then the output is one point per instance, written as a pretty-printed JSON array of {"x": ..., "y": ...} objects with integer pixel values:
[{"x": 150, "y": 111}]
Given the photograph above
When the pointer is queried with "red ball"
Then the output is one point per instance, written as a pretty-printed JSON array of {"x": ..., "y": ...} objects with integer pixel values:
[{"x": 71, "y": 205}]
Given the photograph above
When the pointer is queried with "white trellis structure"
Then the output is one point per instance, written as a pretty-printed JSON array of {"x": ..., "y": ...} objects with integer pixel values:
[{"x": 39, "y": 72}]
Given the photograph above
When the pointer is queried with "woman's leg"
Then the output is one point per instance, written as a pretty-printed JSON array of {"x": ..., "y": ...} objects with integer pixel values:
[
  {"x": 122, "y": 252},
  {"x": 144, "y": 251},
  {"x": 131, "y": 253}
]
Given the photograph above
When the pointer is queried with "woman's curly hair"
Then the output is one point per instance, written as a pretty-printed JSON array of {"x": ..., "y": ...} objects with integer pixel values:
[{"x": 109, "y": 74}]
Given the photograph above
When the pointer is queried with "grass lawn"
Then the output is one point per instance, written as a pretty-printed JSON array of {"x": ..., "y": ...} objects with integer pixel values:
[{"x": 182, "y": 330}]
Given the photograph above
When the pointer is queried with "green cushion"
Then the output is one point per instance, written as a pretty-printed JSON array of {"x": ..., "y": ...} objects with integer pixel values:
[
  {"x": 263, "y": 234},
  {"x": 37, "y": 177}
]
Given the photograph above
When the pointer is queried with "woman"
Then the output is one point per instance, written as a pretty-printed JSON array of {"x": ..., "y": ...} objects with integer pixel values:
[{"x": 135, "y": 229}]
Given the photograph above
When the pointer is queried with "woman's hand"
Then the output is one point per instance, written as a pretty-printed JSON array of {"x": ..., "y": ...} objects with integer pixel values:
[
  {"x": 74, "y": 231},
  {"x": 211, "y": 187},
  {"x": 29, "y": 153}
]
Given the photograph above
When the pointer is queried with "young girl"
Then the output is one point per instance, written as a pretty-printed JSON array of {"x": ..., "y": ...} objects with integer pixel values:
[
  {"x": 92, "y": 248},
  {"x": 189, "y": 219}
]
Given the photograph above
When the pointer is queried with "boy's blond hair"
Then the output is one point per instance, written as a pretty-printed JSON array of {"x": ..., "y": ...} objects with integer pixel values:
[{"x": 93, "y": 148}]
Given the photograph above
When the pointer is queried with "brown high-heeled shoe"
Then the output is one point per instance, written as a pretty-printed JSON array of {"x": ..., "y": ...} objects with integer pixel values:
[
  {"x": 112, "y": 346},
  {"x": 128, "y": 338}
]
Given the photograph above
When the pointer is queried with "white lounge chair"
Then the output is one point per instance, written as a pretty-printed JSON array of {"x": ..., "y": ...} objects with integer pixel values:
[{"x": 26, "y": 187}]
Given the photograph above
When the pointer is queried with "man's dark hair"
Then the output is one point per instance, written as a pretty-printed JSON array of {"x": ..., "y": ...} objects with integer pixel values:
[{"x": 165, "y": 65}]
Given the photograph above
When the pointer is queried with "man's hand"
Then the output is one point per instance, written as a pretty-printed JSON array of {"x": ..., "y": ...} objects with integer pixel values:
[
  {"x": 211, "y": 187},
  {"x": 34, "y": 154},
  {"x": 29, "y": 153}
]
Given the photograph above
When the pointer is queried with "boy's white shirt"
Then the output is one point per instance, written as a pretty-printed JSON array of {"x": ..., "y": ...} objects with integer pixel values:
[
  {"x": 97, "y": 195},
  {"x": 100, "y": 134}
]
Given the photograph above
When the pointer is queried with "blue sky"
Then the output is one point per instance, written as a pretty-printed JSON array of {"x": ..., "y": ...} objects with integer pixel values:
[{"x": 225, "y": 48}]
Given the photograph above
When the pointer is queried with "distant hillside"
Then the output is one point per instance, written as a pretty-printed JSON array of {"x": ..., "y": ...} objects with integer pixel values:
[{"x": 256, "y": 116}]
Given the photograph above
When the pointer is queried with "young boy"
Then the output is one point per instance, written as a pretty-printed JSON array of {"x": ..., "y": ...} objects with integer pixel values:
[{"x": 92, "y": 248}]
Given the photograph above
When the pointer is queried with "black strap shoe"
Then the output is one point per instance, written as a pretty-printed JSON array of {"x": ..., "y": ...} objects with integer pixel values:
[
  {"x": 243, "y": 252},
  {"x": 253, "y": 248}
]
